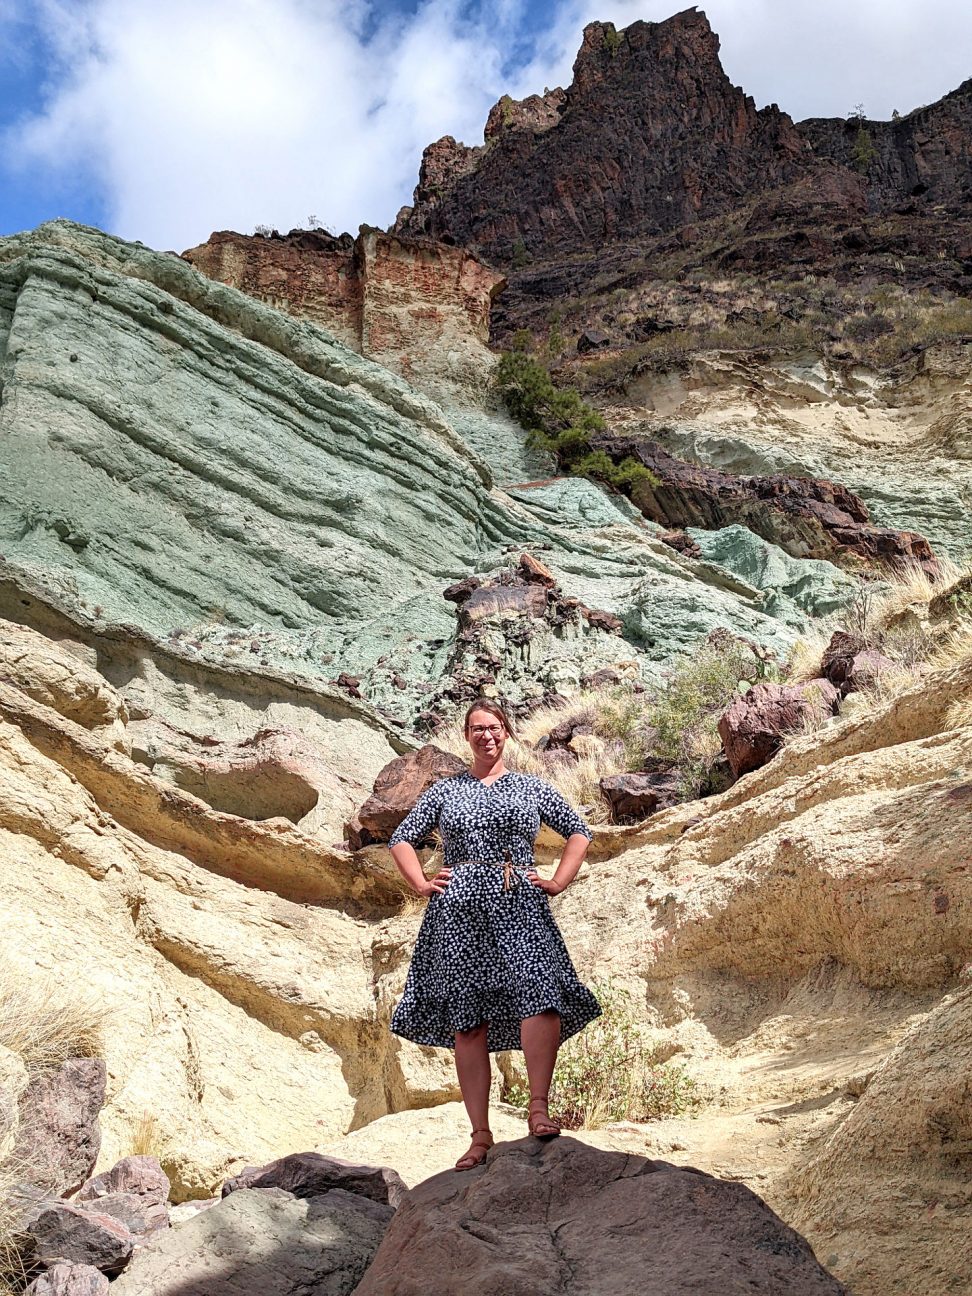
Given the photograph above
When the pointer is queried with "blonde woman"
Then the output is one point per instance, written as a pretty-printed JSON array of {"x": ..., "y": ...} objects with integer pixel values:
[{"x": 490, "y": 970}]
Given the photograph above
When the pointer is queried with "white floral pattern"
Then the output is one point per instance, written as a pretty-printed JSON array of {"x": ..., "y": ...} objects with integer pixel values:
[{"x": 485, "y": 954}]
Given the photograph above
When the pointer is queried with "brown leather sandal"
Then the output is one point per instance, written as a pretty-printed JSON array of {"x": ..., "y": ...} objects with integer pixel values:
[
  {"x": 541, "y": 1126},
  {"x": 477, "y": 1151}
]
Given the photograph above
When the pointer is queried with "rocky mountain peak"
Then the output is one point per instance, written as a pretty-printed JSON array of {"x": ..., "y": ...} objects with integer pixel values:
[{"x": 651, "y": 134}]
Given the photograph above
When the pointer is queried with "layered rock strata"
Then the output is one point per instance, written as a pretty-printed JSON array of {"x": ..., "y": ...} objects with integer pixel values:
[{"x": 419, "y": 307}]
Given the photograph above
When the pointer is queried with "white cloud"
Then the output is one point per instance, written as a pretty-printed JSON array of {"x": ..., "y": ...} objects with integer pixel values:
[{"x": 206, "y": 114}]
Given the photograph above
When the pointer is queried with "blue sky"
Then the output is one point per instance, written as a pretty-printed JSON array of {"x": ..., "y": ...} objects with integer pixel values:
[{"x": 162, "y": 122}]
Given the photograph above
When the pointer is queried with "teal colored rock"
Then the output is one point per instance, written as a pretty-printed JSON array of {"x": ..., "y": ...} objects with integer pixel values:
[{"x": 178, "y": 457}]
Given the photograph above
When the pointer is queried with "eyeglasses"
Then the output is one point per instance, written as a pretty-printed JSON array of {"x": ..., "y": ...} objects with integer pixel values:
[{"x": 479, "y": 730}]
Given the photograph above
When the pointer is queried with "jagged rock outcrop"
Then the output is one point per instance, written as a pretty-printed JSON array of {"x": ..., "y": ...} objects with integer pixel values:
[
  {"x": 565, "y": 1218},
  {"x": 650, "y": 135},
  {"x": 418, "y": 307},
  {"x": 805, "y": 517}
]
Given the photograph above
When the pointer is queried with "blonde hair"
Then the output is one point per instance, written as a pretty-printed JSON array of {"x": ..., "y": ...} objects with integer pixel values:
[{"x": 494, "y": 708}]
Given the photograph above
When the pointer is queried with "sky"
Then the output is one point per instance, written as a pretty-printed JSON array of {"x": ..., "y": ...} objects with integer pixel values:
[{"x": 165, "y": 121}]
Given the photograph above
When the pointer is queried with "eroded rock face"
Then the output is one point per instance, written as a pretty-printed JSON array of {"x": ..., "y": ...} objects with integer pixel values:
[
  {"x": 680, "y": 144},
  {"x": 263, "y": 1241},
  {"x": 80, "y": 1236},
  {"x": 309, "y": 1174},
  {"x": 59, "y": 1127},
  {"x": 557, "y": 1218},
  {"x": 804, "y": 516},
  {"x": 419, "y": 307},
  {"x": 898, "y": 1167},
  {"x": 753, "y": 726}
]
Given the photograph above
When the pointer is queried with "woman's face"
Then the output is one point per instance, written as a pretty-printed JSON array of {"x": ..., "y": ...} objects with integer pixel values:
[{"x": 486, "y": 735}]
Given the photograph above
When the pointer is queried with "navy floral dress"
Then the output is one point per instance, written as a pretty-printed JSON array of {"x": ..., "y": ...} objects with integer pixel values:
[{"x": 488, "y": 949}]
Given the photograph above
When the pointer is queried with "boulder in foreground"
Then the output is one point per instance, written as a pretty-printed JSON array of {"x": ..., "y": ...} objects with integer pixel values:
[
  {"x": 262, "y": 1241},
  {"x": 563, "y": 1218}
]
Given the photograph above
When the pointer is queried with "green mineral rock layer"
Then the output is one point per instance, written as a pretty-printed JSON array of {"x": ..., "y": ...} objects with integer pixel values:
[{"x": 179, "y": 457}]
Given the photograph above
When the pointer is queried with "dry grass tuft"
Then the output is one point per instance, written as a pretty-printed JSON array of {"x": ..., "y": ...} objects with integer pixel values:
[{"x": 44, "y": 1023}]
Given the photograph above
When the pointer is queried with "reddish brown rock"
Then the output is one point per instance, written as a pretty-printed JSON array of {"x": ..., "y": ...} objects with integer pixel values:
[
  {"x": 849, "y": 664},
  {"x": 806, "y": 516},
  {"x": 563, "y": 1219},
  {"x": 409, "y": 303},
  {"x": 492, "y": 600},
  {"x": 309, "y": 1174},
  {"x": 601, "y": 620},
  {"x": 635, "y": 796},
  {"x": 397, "y": 788},
  {"x": 681, "y": 542},
  {"x": 66, "y": 1279},
  {"x": 140, "y": 1215},
  {"x": 460, "y": 590},
  {"x": 59, "y": 1127},
  {"x": 753, "y": 726},
  {"x": 141, "y": 1175},
  {"x": 535, "y": 572},
  {"x": 82, "y": 1236}
]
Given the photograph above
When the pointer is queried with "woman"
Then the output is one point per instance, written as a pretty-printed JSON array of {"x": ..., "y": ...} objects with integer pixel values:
[{"x": 490, "y": 969}]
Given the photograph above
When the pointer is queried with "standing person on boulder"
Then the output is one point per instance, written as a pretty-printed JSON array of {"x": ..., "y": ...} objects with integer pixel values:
[{"x": 490, "y": 970}]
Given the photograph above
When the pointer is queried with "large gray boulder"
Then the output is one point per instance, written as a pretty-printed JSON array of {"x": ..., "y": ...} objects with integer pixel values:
[
  {"x": 263, "y": 1241},
  {"x": 563, "y": 1218}
]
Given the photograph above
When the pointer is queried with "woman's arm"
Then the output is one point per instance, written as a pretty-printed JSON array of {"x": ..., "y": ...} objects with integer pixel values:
[
  {"x": 565, "y": 872},
  {"x": 410, "y": 867}
]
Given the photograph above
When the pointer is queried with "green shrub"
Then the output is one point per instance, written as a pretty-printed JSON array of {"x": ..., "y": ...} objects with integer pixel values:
[
  {"x": 559, "y": 420},
  {"x": 681, "y": 721},
  {"x": 611, "y": 1072}
]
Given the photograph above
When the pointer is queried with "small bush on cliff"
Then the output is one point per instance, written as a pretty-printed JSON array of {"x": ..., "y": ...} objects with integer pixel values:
[
  {"x": 558, "y": 420},
  {"x": 680, "y": 723},
  {"x": 611, "y": 1072}
]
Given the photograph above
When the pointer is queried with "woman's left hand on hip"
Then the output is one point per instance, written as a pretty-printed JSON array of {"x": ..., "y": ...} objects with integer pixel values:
[{"x": 545, "y": 884}]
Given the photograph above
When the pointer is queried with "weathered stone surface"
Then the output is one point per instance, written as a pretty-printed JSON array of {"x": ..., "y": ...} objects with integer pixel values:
[
  {"x": 59, "y": 1128},
  {"x": 806, "y": 517},
  {"x": 753, "y": 726},
  {"x": 418, "y": 307},
  {"x": 562, "y": 1217},
  {"x": 82, "y": 1236},
  {"x": 56, "y": 675},
  {"x": 13, "y": 1082},
  {"x": 659, "y": 159},
  {"x": 849, "y": 664},
  {"x": 142, "y": 1176},
  {"x": 635, "y": 796},
  {"x": 140, "y": 1215},
  {"x": 309, "y": 1174},
  {"x": 398, "y": 787},
  {"x": 66, "y": 1279},
  {"x": 263, "y": 1241},
  {"x": 890, "y": 1190}
]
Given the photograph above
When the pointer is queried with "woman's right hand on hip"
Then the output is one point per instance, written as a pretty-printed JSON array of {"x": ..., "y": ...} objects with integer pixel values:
[{"x": 436, "y": 885}]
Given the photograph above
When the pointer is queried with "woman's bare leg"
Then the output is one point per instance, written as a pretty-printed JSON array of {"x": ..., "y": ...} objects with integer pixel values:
[
  {"x": 540, "y": 1039},
  {"x": 472, "y": 1068}
]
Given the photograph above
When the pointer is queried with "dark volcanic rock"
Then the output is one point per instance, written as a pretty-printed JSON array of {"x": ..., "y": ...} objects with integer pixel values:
[
  {"x": 753, "y": 726},
  {"x": 849, "y": 663},
  {"x": 141, "y": 1175},
  {"x": 805, "y": 516},
  {"x": 563, "y": 1219},
  {"x": 59, "y": 1123},
  {"x": 638, "y": 795},
  {"x": 80, "y": 1235},
  {"x": 397, "y": 787},
  {"x": 650, "y": 135},
  {"x": 309, "y": 1174}
]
